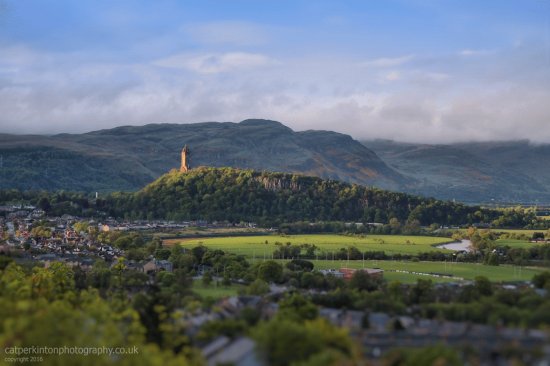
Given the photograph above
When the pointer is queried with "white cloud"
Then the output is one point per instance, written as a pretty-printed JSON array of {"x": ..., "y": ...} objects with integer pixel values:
[
  {"x": 393, "y": 76},
  {"x": 388, "y": 61},
  {"x": 215, "y": 63},
  {"x": 227, "y": 32},
  {"x": 468, "y": 52},
  {"x": 433, "y": 99}
]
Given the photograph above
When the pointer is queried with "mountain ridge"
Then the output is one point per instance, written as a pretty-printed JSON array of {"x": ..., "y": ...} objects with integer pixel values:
[
  {"x": 501, "y": 171},
  {"x": 128, "y": 157}
]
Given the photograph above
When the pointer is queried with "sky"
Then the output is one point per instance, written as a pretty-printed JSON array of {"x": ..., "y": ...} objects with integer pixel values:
[{"x": 430, "y": 71}]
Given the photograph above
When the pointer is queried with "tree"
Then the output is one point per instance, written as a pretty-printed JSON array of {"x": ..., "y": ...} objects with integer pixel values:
[
  {"x": 227, "y": 327},
  {"x": 483, "y": 286},
  {"x": 100, "y": 276},
  {"x": 395, "y": 225},
  {"x": 41, "y": 232},
  {"x": 422, "y": 292},
  {"x": 162, "y": 253},
  {"x": 542, "y": 280},
  {"x": 4, "y": 261},
  {"x": 412, "y": 226},
  {"x": 258, "y": 287},
  {"x": 300, "y": 265},
  {"x": 226, "y": 282},
  {"x": 118, "y": 270},
  {"x": 362, "y": 281},
  {"x": 270, "y": 271},
  {"x": 198, "y": 252},
  {"x": 207, "y": 279},
  {"x": 44, "y": 204},
  {"x": 432, "y": 355},
  {"x": 492, "y": 259},
  {"x": 81, "y": 226},
  {"x": 297, "y": 308},
  {"x": 41, "y": 304},
  {"x": 284, "y": 342}
]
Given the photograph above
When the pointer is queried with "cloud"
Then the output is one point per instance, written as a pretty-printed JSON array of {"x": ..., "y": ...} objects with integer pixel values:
[
  {"x": 215, "y": 63},
  {"x": 227, "y": 32},
  {"x": 469, "y": 52},
  {"x": 392, "y": 76},
  {"x": 431, "y": 98},
  {"x": 388, "y": 61}
]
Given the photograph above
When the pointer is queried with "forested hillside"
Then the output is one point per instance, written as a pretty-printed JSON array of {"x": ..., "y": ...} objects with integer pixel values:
[
  {"x": 235, "y": 195},
  {"x": 267, "y": 198}
]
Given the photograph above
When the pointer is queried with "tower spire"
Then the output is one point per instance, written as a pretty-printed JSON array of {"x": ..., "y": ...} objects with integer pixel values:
[{"x": 185, "y": 154}]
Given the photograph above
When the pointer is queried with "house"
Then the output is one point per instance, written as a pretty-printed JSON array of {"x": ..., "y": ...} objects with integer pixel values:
[
  {"x": 156, "y": 265},
  {"x": 351, "y": 319},
  {"x": 374, "y": 272},
  {"x": 332, "y": 272},
  {"x": 103, "y": 227}
]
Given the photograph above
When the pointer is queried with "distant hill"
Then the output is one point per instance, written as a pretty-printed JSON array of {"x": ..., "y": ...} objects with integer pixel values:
[
  {"x": 515, "y": 171},
  {"x": 127, "y": 158}
]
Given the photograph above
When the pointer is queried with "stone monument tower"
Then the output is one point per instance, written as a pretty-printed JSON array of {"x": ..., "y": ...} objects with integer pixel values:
[{"x": 185, "y": 154}]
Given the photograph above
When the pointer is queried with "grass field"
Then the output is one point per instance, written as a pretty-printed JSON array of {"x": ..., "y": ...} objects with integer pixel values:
[
  {"x": 256, "y": 247},
  {"x": 467, "y": 271},
  {"x": 214, "y": 291},
  {"x": 514, "y": 243}
]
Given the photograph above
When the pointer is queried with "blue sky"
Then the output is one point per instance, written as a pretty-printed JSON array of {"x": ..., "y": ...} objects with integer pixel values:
[{"x": 409, "y": 70}]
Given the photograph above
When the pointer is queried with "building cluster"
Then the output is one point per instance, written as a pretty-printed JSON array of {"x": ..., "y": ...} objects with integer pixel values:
[
  {"x": 54, "y": 238},
  {"x": 380, "y": 332},
  {"x": 19, "y": 230},
  {"x": 377, "y": 332}
]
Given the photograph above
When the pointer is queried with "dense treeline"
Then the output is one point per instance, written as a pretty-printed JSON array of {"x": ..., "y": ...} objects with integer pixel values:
[
  {"x": 235, "y": 195},
  {"x": 54, "y": 203},
  {"x": 246, "y": 195}
]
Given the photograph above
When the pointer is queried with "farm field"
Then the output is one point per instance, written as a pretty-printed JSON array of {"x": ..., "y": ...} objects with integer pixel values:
[
  {"x": 467, "y": 271},
  {"x": 256, "y": 247}
]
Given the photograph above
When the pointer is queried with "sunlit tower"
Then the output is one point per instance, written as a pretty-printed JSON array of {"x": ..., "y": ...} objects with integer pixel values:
[{"x": 185, "y": 154}]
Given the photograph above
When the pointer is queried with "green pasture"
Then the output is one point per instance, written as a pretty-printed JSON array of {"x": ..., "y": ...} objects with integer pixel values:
[
  {"x": 467, "y": 271},
  {"x": 256, "y": 246},
  {"x": 514, "y": 243},
  {"x": 214, "y": 291}
]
